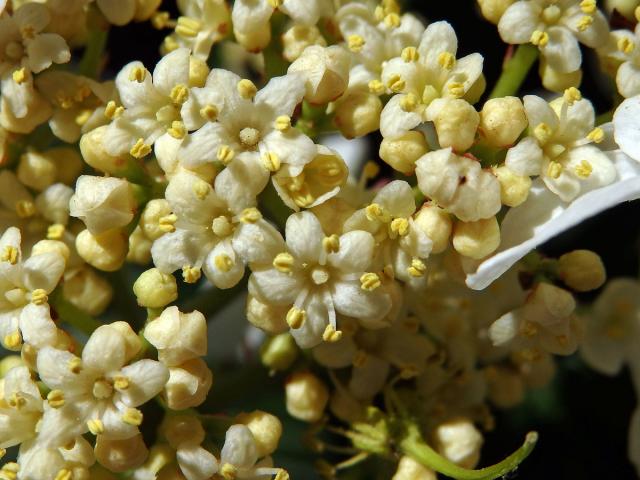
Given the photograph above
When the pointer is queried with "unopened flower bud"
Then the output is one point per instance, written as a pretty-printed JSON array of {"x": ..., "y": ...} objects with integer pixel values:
[
  {"x": 299, "y": 37},
  {"x": 456, "y": 122},
  {"x": 506, "y": 388},
  {"x": 155, "y": 289},
  {"x": 493, "y": 10},
  {"x": 120, "y": 455},
  {"x": 178, "y": 336},
  {"x": 437, "y": 224},
  {"x": 345, "y": 406},
  {"x": 326, "y": 70},
  {"x": 139, "y": 247},
  {"x": 476, "y": 239},
  {"x": 459, "y": 441},
  {"x": 270, "y": 318},
  {"x": 188, "y": 384},
  {"x": 409, "y": 469},
  {"x": 36, "y": 170},
  {"x": 254, "y": 40},
  {"x": 358, "y": 114},
  {"x": 557, "y": 81},
  {"x": 179, "y": 429},
  {"x": 68, "y": 163},
  {"x": 279, "y": 352},
  {"x": 582, "y": 270},
  {"x": 95, "y": 154},
  {"x": 306, "y": 396},
  {"x": 514, "y": 188},
  {"x": 502, "y": 120},
  {"x": 106, "y": 251},
  {"x": 87, "y": 290},
  {"x": 266, "y": 430},
  {"x": 402, "y": 152}
]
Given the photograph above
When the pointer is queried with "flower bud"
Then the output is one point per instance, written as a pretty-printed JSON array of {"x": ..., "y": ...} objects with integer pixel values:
[
  {"x": 502, "y": 120},
  {"x": 45, "y": 246},
  {"x": 306, "y": 397},
  {"x": 53, "y": 203},
  {"x": 151, "y": 215},
  {"x": 179, "y": 429},
  {"x": 358, "y": 114},
  {"x": 188, "y": 384},
  {"x": 87, "y": 290},
  {"x": 493, "y": 10},
  {"x": 299, "y": 37},
  {"x": 102, "y": 203},
  {"x": 326, "y": 70},
  {"x": 402, "y": 152},
  {"x": 266, "y": 430},
  {"x": 95, "y": 154},
  {"x": 38, "y": 111},
  {"x": 459, "y": 441},
  {"x": 120, "y": 455},
  {"x": 106, "y": 251},
  {"x": 409, "y": 469},
  {"x": 279, "y": 352},
  {"x": 476, "y": 239},
  {"x": 437, "y": 224},
  {"x": 345, "y": 406},
  {"x": 514, "y": 188},
  {"x": 36, "y": 171},
  {"x": 506, "y": 388},
  {"x": 155, "y": 289},
  {"x": 626, "y": 8},
  {"x": 582, "y": 270},
  {"x": 68, "y": 163},
  {"x": 557, "y": 81},
  {"x": 270, "y": 318},
  {"x": 139, "y": 247},
  {"x": 456, "y": 122},
  {"x": 177, "y": 336},
  {"x": 255, "y": 39}
]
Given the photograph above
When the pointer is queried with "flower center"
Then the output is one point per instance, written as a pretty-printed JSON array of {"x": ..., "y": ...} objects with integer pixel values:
[
  {"x": 319, "y": 275},
  {"x": 102, "y": 389},
  {"x": 551, "y": 14},
  {"x": 249, "y": 136}
]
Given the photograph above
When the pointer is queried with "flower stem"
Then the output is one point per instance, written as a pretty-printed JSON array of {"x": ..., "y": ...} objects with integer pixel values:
[
  {"x": 414, "y": 446},
  {"x": 71, "y": 314},
  {"x": 90, "y": 64},
  {"x": 515, "y": 70}
]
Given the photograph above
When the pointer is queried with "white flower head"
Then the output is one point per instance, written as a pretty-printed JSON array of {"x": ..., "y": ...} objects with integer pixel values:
[{"x": 21, "y": 407}]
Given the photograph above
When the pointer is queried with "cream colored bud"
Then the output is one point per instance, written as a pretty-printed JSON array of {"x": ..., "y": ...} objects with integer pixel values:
[
  {"x": 279, "y": 352},
  {"x": 180, "y": 429},
  {"x": 151, "y": 215},
  {"x": 476, "y": 239},
  {"x": 87, "y": 290},
  {"x": 456, "y": 122},
  {"x": 493, "y": 10},
  {"x": 459, "y": 441},
  {"x": 514, "y": 188},
  {"x": 437, "y": 224},
  {"x": 358, "y": 114},
  {"x": 409, "y": 469},
  {"x": 557, "y": 81},
  {"x": 131, "y": 338},
  {"x": 506, "y": 387},
  {"x": 401, "y": 153},
  {"x": 306, "y": 396},
  {"x": 582, "y": 270},
  {"x": 188, "y": 384},
  {"x": 198, "y": 72},
  {"x": 139, "y": 247},
  {"x": 68, "y": 163},
  {"x": 55, "y": 246},
  {"x": 502, "y": 120},
  {"x": 155, "y": 289},
  {"x": 626, "y": 8},
  {"x": 299, "y": 37},
  {"x": 266, "y": 430},
  {"x": 557, "y": 302},
  {"x": 120, "y": 455},
  {"x": 345, "y": 406},
  {"x": 95, "y": 154},
  {"x": 270, "y": 318},
  {"x": 256, "y": 39},
  {"x": 106, "y": 251},
  {"x": 36, "y": 170},
  {"x": 326, "y": 70}
]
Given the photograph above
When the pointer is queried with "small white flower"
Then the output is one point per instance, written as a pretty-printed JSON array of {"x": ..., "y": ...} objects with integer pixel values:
[
  {"x": 20, "y": 407},
  {"x": 39, "y": 462},
  {"x": 239, "y": 456}
]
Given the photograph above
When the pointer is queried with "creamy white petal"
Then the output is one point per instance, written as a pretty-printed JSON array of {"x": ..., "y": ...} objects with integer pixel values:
[
  {"x": 239, "y": 447},
  {"x": 174, "y": 250},
  {"x": 539, "y": 111},
  {"x": 518, "y": 22},
  {"x": 105, "y": 350},
  {"x": 525, "y": 158},
  {"x": 626, "y": 127},
  {"x": 221, "y": 278},
  {"x": 394, "y": 121},
  {"x": 351, "y": 300},
  {"x": 202, "y": 146},
  {"x": 292, "y": 147},
  {"x": 437, "y": 38},
  {"x": 172, "y": 70},
  {"x": 282, "y": 94},
  {"x": 241, "y": 181},
  {"x": 36, "y": 325},
  {"x": 133, "y": 93},
  {"x": 397, "y": 198},
  {"x": 114, "y": 426},
  {"x": 45, "y": 49},
  {"x": 43, "y": 271},
  {"x": 628, "y": 80},
  {"x": 274, "y": 286},
  {"x": 355, "y": 253},
  {"x": 248, "y": 15},
  {"x": 304, "y": 235},
  {"x": 562, "y": 52},
  {"x": 196, "y": 463},
  {"x": 317, "y": 318},
  {"x": 146, "y": 380},
  {"x": 258, "y": 242}
]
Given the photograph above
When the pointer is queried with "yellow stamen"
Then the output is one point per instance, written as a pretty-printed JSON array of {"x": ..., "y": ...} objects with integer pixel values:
[
  {"x": 225, "y": 154},
  {"x": 250, "y": 215},
  {"x": 588, "y": 6},
  {"x": 283, "y": 262},
  {"x": 596, "y": 135},
  {"x": 355, "y": 43},
  {"x": 137, "y": 74},
  {"x": 572, "y": 95},
  {"x": 584, "y": 23},
  {"x": 12, "y": 340},
  {"x": 95, "y": 426},
  {"x": 201, "y": 189},
  {"x": 111, "y": 110},
  {"x": 554, "y": 170},
  {"x": 331, "y": 244},
  {"x": 223, "y": 262},
  {"x": 542, "y": 132},
  {"x": 177, "y": 130},
  {"x": 399, "y": 226},
  {"x": 376, "y": 87},
  {"x": 395, "y": 83},
  {"x": 19, "y": 76},
  {"x": 392, "y": 20},
  {"x": 75, "y": 365},
  {"x": 179, "y": 94},
  {"x": 191, "y": 274},
  {"x": 282, "y": 123},
  {"x": 376, "y": 212},
  {"x": 9, "y": 254},
  {"x": 417, "y": 268},
  {"x": 247, "y": 89},
  {"x": 583, "y": 169},
  {"x": 55, "y": 398},
  {"x": 410, "y": 54},
  {"x": 456, "y": 89},
  {"x": 188, "y": 27},
  {"x": 39, "y": 296},
  {"x": 296, "y": 317},
  {"x": 209, "y": 112},
  {"x": 625, "y": 45},
  {"x": 409, "y": 102},
  {"x": 539, "y": 38},
  {"x": 140, "y": 149},
  {"x": 132, "y": 416},
  {"x": 271, "y": 161},
  {"x": 121, "y": 382},
  {"x": 166, "y": 223},
  {"x": 446, "y": 60},
  {"x": 330, "y": 334},
  {"x": 369, "y": 281}
]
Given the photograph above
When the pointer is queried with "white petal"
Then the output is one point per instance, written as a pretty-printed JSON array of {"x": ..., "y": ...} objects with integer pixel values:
[
  {"x": 220, "y": 278},
  {"x": 239, "y": 447},
  {"x": 518, "y": 22},
  {"x": 355, "y": 253},
  {"x": 310, "y": 333},
  {"x": 351, "y": 300},
  {"x": 602, "y": 353},
  {"x": 397, "y": 198},
  {"x": 105, "y": 350},
  {"x": 292, "y": 147},
  {"x": 539, "y": 111},
  {"x": 275, "y": 287},
  {"x": 202, "y": 146},
  {"x": 626, "y": 127},
  {"x": 304, "y": 235},
  {"x": 146, "y": 380},
  {"x": 242, "y": 180},
  {"x": 628, "y": 80},
  {"x": 172, "y": 70},
  {"x": 114, "y": 426},
  {"x": 437, "y": 38},
  {"x": 196, "y": 463},
  {"x": 394, "y": 121},
  {"x": 562, "y": 52},
  {"x": 43, "y": 271},
  {"x": 53, "y": 368},
  {"x": 36, "y": 325},
  {"x": 525, "y": 158},
  {"x": 174, "y": 250},
  {"x": 248, "y": 15},
  {"x": 258, "y": 242},
  {"x": 282, "y": 94},
  {"x": 133, "y": 93},
  {"x": 45, "y": 49}
]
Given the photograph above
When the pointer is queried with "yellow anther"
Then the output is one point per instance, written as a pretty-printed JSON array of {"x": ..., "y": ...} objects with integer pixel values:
[
  {"x": 583, "y": 169},
  {"x": 25, "y": 208},
  {"x": 228, "y": 471},
  {"x": 409, "y": 102},
  {"x": 64, "y": 474},
  {"x": 542, "y": 132},
  {"x": 247, "y": 89},
  {"x": 9, "y": 471},
  {"x": 177, "y": 130},
  {"x": 296, "y": 317},
  {"x": 121, "y": 382},
  {"x": 539, "y": 38},
  {"x": 636, "y": 13},
  {"x": 9, "y": 254},
  {"x": 17, "y": 401},
  {"x": 584, "y": 23},
  {"x": 371, "y": 169},
  {"x": 399, "y": 226},
  {"x": 225, "y": 154},
  {"x": 19, "y": 76},
  {"x": 222, "y": 226},
  {"x": 179, "y": 94},
  {"x": 456, "y": 89},
  {"x": 330, "y": 334},
  {"x": 554, "y": 170},
  {"x": 282, "y": 123},
  {"x": 112, "y": 110},
  {"x": 395, "y": 83},
  {"x": 188, "y": 27},
  {"x": 282, "y": 475},
  {"x": 271, "y": 161},
  {"x": 369, "y": 281},
  {"x": 170, "y": 44},
  {"x": 83, "y": 117},
  {"x": 250, "y": 215},
  {"x": 209, "y": 112},
  {"x": 166, "y": 223},
  {"x": 410, "y": 54},
  {"x": 201, "y": 189},
  {"x": 275, "y": 3},
  {"x": 137, "y": 74},
  {"x": 75, "y": 365},
  {"x": 160, "y": 20},
  {"x": 3, "y": 452},
  {"x": 191, "y": 274},
  {"x": 95, "y": 426},
  {"x": 132, "y": 416},
  {"x": 331, "y": 244},
  {"x": 376, "y": 87},
  {"x": 571, "y": 95},
  {"x": 417, "y": 268},
  {"x": 39, "y": 296},
  {"x": 588, "y": 6},
  {"x": 379, "y": 13},
  {"x": 223, "y": 262},
  {"x": 376, "y": 212},
  {"x": 392, "y": 20},
  {"x": 12, "y": 340},
  {"x": 625, "y": 45},
  {"x": 446, "y": 60},
  {"x": 140, "y": 149},
  {"x": 596, "y": 135},
  {"x": 355, "y": 43},
  {"x": 55, "y": 398},
  {"x": 283, "y": 262}
]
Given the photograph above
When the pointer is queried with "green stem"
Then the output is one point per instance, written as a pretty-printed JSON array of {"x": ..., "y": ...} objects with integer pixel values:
[
  {"x": 414, "y": 446},
  {"x": 71, "y": 314},
  {"x": 92, "y": 57},
  {"x": 515, "y": 70}
]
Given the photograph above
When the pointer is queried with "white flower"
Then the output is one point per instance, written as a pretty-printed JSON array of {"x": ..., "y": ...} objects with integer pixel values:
[
  {"x": 626, "y": 127},
  {"x": 319, "y": 276},
  {"x": 421, "y": 75},
  {"x": 558, "y": 146},
  {"x": 555, "y": 27},
  {"x": 621, "y": 60},
  {"x": 39, "y": 462},
  {"x": 20, "y": 407},
  {"x": 239, "y": 456}
]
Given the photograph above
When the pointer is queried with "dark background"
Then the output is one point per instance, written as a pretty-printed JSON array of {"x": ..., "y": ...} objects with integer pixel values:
[{"x": 582, "y": 417}]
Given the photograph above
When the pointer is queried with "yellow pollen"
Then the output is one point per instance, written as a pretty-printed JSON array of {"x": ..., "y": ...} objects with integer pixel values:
[
  {"x": 282, "y": 123},
  {"x": 222, "y": 226},
  {"x": 542, "y": 132},
  {"x": 75, "y": 365},
  {"x": 137, "y": 74},
  {"x": 417, "y": 268},
  {"x": 282, "y": 475},
  {"x": 271, "y": 161},
  {"x": 369, "y": 281},
  {"x": 539, "y": 38},
  {"x": 166, "y": 223},
  {"x": 225, "y": 154},
  {"x": 409, "y": 102},
  {"x": 83, "y": 117},
  {"x": 55, "y": 231},
  {"x": 379, "y": 13},
  {"x": 177, "y": 130},
  {"x": 9, "y": 254},
  {"x": 191, "y": 274},
  {"x": 19, "y": 76},
  {"x": 376, "y": 87},
  {"x": 331, "y": 244},
  {"x": 596, "y": 135},
  {"x": 12, "y": 340},
  {"x": 223, "y": 262},
  {"x": 330, "y": 334},
  {"x": 399, "y": 226},
  {"x": 554, "y": 170},
  {"x": 160, "y": 20},
  {"x": 95, "y": 426},
  {"x": 140, "y": 149},
  {"x": 375, "y": 212},
  {"x": 179, "y": 94},
  {"x": 247, "y": 89},
  {"x": 456, "y": 89},
  {"x": 588, "y": 6},
  {"x": 132, "y": 416},
  {"x": 275, "y": 3},
  {"x": 392, "y": 20},
  {"x": 25, "y": 208},
  {"x": 283, "y": 262},
  {"x": 209, "y": 112},
  {"x": 111, "y": 110},
  {"x": 201, "y": 189},
  {"x": 371, "y": 169},
  {"x": 9, "y": 471},
  {"x": 55, "y": 398},
  {"x": 625, "y": 45},
  {"x": 39, "y": 296},
  {"x": 17, "y": 401},
  {"x": 395, "y": 83},
  {"x": 63, "y": 474},
  {"x": 188, "y": 27},
  {"x": 410, "y": 54},
  {"x": 121, "y": 382},
  {"x": 296, "y": 317},
  {"x": 250, "y": 215},
  {"x": 583, "y": 169},
  {"x": 228, "y": 471},
  {"x": 170, "y": 44},
  {"x": 584, "y": 23},
  {"x": 446, "y": 60},
  {"x": 571, "y": 95},
  {"x": 636, "y": 13},
  {"x": 355, "y": 43}
]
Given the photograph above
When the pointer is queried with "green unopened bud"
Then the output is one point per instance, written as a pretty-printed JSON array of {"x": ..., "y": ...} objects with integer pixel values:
[
  {"x": 279, "y": 352},
  {"x": 582, "y": 270}
]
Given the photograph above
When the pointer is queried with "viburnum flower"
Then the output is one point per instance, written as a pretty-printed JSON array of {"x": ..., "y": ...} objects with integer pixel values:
[
  {"x": 21, "y": 407},
  {"x": 620, "y": 59},
  {"x": 39, "y": 462},
  {"x": 319, "y": 276},
  {"x": 239, "y": 456},
  {"x": 555, "y": 27},
  {"x": 420, "y": 75}
]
